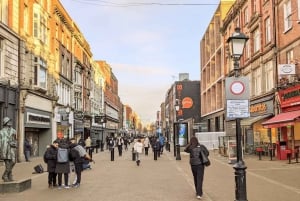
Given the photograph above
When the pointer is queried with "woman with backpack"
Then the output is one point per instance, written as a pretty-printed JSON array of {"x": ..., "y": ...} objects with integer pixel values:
[
  {"x": 194, "y": 148},
  {"x": 62, "y": 164}
]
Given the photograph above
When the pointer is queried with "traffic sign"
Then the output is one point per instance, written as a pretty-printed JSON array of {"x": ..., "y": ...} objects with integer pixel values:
[
  {"x": 237, "y": 88},
  {"x": 237, "y": 109}
]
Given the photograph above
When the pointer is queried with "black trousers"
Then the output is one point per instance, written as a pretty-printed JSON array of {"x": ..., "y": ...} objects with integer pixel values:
[
  {"x": 66, "y": 178},
  {"x": 198, "y": 174},
  {"x": 78, "y": 170},
  {"x": 52, "y": 178}
]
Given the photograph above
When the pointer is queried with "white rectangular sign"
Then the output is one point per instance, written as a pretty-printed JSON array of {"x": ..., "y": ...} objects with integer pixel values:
[{"x": 238, "y": 109}]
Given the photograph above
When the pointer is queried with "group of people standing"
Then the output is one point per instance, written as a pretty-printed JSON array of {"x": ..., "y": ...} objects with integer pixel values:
[{"x": 63, "y": 157}]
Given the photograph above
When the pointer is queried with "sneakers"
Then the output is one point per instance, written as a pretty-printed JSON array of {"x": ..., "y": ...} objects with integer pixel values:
[
  {"x": 67, "y": 187},
  {"x": 199, "y": 197},
  {"x": 76, "y": 185},
  {"x": 59, "y": 187}
]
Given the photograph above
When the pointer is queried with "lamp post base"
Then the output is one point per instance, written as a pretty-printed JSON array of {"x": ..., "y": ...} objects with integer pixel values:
[
  {"x": 178, "y": 157},
  {"x": 240, "y": 181}
]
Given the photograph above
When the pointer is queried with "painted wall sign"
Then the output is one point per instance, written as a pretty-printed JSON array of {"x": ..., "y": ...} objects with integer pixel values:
[{"x": 289, "y": 97}]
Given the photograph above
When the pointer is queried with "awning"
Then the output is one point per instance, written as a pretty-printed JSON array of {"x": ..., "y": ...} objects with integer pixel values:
[
  {"x": 251, "y": 120},
  {"x": 282, "y": 119}
]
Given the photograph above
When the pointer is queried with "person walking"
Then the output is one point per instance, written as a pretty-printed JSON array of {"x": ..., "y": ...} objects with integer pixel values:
[
  {"x": 50, "y": 158},
  {"x": 194, "y": 148},
  {"x": 27, "y": 149},
  {"x": 63, "y": 165},
  {"x": 138, "y": 149},
  {"x": 88, "y": 146},
  {"x": 120, "y": 143},
  {"x": 146, "y": 145},
  {"x": 161, "y": 143}
]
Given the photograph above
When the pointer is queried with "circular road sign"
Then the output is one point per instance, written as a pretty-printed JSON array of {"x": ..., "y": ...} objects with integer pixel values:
[{"x": 237, "y": 87}]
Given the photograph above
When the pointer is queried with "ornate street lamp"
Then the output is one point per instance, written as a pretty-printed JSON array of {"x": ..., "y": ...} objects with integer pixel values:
[{"x": 238, "y": 41}]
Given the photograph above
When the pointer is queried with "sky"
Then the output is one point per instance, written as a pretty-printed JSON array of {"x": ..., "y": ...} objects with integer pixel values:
[{"x": 146, "y": 42}]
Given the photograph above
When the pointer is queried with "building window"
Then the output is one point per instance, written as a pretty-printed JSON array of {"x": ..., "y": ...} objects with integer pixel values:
[
  {"x": 4, "y": 11},
  {"x": 269, "y": 76},
  {"x": 257, "y": 85},
  {"x": 40, "y": 72},
  {"x": 287, "y": 13},
  {"x": 267, "y": 30},
  {"x": 256, "y": 37},
  {"x": 289, "y": 56},
  {"x": 26, "y": 19},
  {"x": 40, "y": 27}
]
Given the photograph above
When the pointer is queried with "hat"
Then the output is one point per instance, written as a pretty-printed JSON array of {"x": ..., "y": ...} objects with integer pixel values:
[
  {"x": 6, "y": 120},
  {"x": 55, "y": 141},
  {"x": 72, "y": 139}
]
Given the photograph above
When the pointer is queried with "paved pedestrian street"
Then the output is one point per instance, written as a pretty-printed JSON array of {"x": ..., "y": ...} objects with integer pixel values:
[{"x": 166, "y": 179}]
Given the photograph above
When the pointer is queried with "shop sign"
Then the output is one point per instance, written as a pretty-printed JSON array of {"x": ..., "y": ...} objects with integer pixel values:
[
  {"x": 289, "y": 97},
  {"x": 261, "y": 108},
  {"x": 38, "y": 119}
]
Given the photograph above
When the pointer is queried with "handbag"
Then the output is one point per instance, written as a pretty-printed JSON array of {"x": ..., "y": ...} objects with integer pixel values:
[{"x": 205, "y": 159}]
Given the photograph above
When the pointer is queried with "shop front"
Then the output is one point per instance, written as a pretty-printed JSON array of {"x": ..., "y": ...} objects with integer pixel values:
[
  {"x": 254, "y": 134},
  {"x": 37, "y": 129},
  {"x": 287, "y": 123}
]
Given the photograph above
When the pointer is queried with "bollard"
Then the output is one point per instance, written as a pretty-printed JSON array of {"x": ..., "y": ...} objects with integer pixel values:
[
  {"x": 101, "y": 146},
  {"x": 297, "y": 156},
  {"x": 112, "y": 154},
  {"x": 178, "y": 157},
  {"x": 155, "y": 155}
]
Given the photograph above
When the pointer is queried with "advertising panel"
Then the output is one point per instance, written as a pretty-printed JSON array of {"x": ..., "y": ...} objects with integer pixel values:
[{"x": 182, "y": 133}]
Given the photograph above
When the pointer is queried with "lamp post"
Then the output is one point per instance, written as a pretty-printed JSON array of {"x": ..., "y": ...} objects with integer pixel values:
[
  {"x": 237, "y": 42},
  {"x": 177, "y": 146},
  {"x": 68, "y": 110}
]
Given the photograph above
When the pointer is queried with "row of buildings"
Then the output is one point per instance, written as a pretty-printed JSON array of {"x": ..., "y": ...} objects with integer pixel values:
[
  {"x": 271, "y": 64},
  {"x": 50, "y": 85}
]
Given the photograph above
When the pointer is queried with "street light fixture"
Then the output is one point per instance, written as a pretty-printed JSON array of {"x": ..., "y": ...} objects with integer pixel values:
[{"x": 238, "y": 41}]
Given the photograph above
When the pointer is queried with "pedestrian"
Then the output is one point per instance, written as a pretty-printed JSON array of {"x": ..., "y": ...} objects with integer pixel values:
[
  {"x": 27, "y": 149},
  {"x": 88, "y": 145},
  {"x": 50, "y": 158},
  {"x": 120, "y": 143},
  {"x": 62, "y": 165},
  {"x": 78, "y": 155},
  {"x": 197, "y": 166},
  {"x": 138, "y": 149},
  {"x": 161, "y": 143},
  {"x": 146, "y": 145},
  {"x": 125, "y": 143},
  {"x": 8, "y": 148}
]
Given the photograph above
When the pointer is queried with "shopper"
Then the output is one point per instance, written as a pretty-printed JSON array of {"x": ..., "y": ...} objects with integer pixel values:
[
  {"x": 194, "y": 148},
  {"x": 138, "y": 149},
  {"x": 50, "y": 157},
  {"x": 27, "y": 150}
]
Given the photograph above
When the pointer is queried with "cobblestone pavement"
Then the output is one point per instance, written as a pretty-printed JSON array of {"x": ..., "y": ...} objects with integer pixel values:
[{"x": 166, "y": 179}]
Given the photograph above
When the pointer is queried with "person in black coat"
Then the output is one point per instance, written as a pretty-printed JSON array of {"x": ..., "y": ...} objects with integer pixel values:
[
  {"x": 194, "y": 148},
  {"x": 50, "y": 158}
]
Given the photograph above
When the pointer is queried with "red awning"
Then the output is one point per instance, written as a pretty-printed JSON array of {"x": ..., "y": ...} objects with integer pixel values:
[{"x": 282, "y": 119}]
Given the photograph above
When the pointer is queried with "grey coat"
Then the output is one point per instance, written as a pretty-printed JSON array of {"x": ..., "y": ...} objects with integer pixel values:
[
  {"x": 8, "y": 143},
  {"x": 63, "y": 167}
]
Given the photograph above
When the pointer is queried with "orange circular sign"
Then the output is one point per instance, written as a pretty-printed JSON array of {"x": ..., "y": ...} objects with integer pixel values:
[{"x": 187, "y": 102}]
